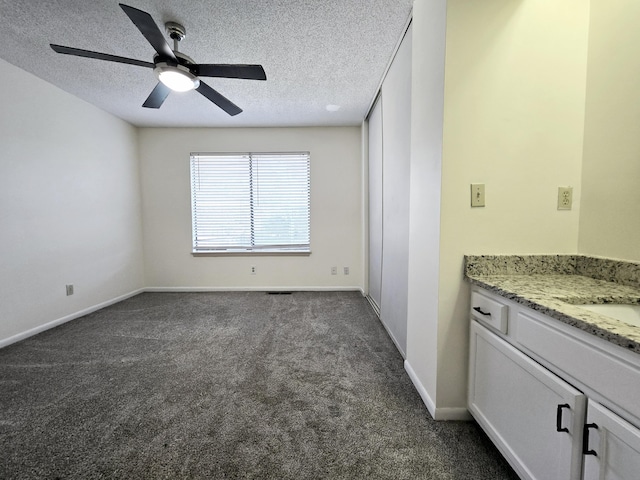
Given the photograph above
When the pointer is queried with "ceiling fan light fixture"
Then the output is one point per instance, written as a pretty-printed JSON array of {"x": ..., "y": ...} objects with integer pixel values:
[
  {"x": 177, "y": 77},
  {"x": 174, "y": 70}
]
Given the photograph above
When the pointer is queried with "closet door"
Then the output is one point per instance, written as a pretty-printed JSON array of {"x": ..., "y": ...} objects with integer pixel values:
[
  {"x": 375, "y": 204},
  {"x": 396, "y": 154}
]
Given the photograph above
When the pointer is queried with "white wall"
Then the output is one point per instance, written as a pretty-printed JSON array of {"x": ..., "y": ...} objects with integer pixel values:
[
  {"x": 514, "y": 116},
  {"x": 336, "y": 209},
  {"x": 69, "y": 205},
  {"x": 609, "y": 219},
  {"x": 515, "y": 76},
  {"x": 428, "y": 60}
]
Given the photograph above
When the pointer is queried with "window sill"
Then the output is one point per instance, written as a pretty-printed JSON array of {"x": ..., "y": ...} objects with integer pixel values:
[{"x": 255, "y": 253}]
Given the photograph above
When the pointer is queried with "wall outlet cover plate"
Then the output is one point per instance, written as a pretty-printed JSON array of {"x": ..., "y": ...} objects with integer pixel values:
[{"x": 565, "y": 198}]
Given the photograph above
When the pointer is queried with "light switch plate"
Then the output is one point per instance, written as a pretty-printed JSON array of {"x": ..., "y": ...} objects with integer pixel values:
[{"x": 477, "y": 194}]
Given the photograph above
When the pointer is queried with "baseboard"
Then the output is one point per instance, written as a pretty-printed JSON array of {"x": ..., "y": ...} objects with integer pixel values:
[
  {"x": 440, "y": 414},
  {"x": 426, "y": 398},
  {"x": 41, "y": 328},
  {"x": 373, "y": 304},
  {"x": 254, "y": 289},
  {"x": 54, "y": 323},
  {"x": 376, "y": 309},
  {"x": 395, "y": 342},
  {"x": 393, "y": 338},
  {"x": 453, "y": 414}
]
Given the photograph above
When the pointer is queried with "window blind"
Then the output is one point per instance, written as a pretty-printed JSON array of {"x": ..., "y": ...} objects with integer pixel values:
[{"x": 250, "y": 202}]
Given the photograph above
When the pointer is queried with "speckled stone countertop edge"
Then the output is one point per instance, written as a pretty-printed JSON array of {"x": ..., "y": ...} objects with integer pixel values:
[
  {"x": 624, "y": 272},
  {"x": 592, "y": 323},
  {"x": 555, "y": 285}
]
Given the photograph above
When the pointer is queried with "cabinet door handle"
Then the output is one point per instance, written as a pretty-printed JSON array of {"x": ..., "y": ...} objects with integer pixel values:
[
  {"x": 479, "y": 310},
  {"x": 559, "y": 427},
  {"x": 585, "y": 440}
]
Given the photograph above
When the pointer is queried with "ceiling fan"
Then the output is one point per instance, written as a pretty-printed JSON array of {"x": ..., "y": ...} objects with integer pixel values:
[{"x": 175, "y": 70}]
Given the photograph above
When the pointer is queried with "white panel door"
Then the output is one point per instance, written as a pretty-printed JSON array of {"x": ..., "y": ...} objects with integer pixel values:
[
  {"x": 375, "y": 203},
  {"x": 396, "y": 125},
  {"x": 534, "y": 418},
  {"x": 612, "y": 446}
]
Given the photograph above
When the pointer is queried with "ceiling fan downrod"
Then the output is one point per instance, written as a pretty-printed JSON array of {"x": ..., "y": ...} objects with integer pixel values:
[{"x": 176, "y": 32}]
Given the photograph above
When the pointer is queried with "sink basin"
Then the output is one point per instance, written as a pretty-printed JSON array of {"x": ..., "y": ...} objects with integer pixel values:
[{"x": 625, "y": 313}]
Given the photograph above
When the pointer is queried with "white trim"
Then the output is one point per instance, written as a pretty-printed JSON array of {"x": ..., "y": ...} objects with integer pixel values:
[
  {"x": 374, "y": 305},
  {"x": 430, "y": 404},
  {"x": 389, "y": 332},
  {"x": 436, "y": 413},
  {"x": 395, "y": 342},
  {"x": 255, "y": 289},
  {"x": 246, "y": 252},
  {"x": 451, "y": 414},
  {"x": 54, "y": 323},
  {"x": 388, "y": 67},
  {"x": 365, "y": 202}
]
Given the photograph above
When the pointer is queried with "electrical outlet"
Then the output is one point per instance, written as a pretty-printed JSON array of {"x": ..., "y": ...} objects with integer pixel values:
[
  {"x": 69, "y": 290},
  {"x": 477, "y": 194},
  {"x": 565, "y": 198},
  {"x": 334, "y": 270},
  {"x": 253, "y": 269},
  {"x": 346, "y": 270}
]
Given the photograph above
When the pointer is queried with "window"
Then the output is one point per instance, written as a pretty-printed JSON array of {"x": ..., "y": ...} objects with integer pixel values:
[{"x": 250, "y": 202}]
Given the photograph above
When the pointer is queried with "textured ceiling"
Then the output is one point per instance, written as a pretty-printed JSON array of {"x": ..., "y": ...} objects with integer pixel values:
[{"x": 315, "y": 53}]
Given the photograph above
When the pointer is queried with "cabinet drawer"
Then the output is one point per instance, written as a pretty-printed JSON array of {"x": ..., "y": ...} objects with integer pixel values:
[
  {"x": 614, "y": 374},
  {"x": 490, "y": 312}
]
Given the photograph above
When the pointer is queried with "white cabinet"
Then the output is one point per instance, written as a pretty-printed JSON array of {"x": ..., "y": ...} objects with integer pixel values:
[
  {"x": 612, "y": 446},
  {"x": 557, "y": 402},
  {"x": 530, "y": 414}
]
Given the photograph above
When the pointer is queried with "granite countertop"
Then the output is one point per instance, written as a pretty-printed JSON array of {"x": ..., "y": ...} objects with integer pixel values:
[{"x": 555, "y": 284}]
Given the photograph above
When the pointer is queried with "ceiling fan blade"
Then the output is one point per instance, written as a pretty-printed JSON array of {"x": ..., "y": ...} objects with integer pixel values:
[
  {"x": 157, "y": 96},
  {"x": 249, "y": 72},
  {"x": 220, "y": 100},
  {"x": 99, "y": 56},
  {"x": 150, "y": 30}
]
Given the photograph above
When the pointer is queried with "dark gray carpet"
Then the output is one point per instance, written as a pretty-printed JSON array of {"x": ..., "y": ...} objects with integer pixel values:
[{"x": 226, "y": 385}]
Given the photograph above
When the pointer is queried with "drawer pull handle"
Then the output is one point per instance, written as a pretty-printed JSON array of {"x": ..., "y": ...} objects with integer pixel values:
[
  {"x": 585, "y": 440},
  {"x": 479, "y": 310},
  {"x": 559, "y": 427}
]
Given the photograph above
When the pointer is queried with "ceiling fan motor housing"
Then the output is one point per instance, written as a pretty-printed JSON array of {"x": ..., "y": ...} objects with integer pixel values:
[{"x": 175, "y": 30}]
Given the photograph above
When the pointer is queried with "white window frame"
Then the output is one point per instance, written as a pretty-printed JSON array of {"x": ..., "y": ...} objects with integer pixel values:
[{"x": 251, "y": 203}]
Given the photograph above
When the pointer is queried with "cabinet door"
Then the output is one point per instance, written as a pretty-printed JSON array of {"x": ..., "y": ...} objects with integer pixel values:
[
  {"x": 534, "y": 418},
  {"x": 613, "y": 445}
]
